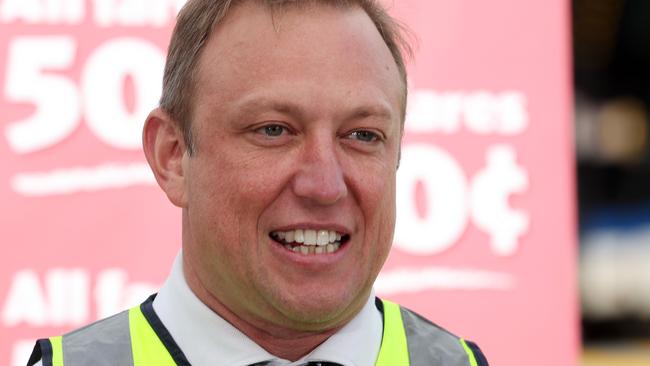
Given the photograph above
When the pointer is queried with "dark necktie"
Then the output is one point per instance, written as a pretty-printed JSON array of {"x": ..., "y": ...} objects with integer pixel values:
[{"x": 311, "y": 363}]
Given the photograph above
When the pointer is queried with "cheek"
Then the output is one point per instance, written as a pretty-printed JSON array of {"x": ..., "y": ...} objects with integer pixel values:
[
  {"x": 377, "y": 192},
  {"x": 212, "y": 197},
  {"x": 385, "y": 222},
  {"x": 228, "y": 194},
  {"x": 378, "y": 205}
]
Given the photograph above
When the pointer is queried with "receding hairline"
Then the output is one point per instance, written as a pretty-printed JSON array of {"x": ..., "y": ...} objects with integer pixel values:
[{"x": 276, "y": 6}]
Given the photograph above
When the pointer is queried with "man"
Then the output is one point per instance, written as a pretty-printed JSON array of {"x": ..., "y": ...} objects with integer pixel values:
[{"x": 278, "y": 135}]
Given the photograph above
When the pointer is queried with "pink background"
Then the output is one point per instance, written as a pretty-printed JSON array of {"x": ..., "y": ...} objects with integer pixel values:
[{"x": 464, "y": 47}]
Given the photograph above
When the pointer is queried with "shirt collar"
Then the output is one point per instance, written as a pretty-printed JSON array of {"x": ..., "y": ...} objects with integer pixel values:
[{"x": 208, "y": 339}]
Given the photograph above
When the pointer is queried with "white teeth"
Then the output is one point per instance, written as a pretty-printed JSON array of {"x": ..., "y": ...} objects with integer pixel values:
[
  {"x": 331, "y": 248},
  {"x": 314, "y": 249},
  {"x": 299, "y": 236},
  {"x": 323, "y": 237},
  {"x": 313, "y": 241},
  {"x": 310, "y": 237}
]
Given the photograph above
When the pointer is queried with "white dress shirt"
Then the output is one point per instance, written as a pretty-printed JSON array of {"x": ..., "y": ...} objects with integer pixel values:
[{"x": 207, "y": 339}]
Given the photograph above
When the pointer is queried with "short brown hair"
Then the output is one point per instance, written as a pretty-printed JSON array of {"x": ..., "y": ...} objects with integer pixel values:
[{"x": 198, "y": 18}]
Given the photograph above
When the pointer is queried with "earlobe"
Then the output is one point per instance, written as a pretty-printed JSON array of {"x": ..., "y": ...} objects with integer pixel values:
[{"x": 164, "y": 148}]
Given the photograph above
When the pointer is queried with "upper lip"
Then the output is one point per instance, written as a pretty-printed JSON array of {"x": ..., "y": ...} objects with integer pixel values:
[{"x": 341, "y": 229}]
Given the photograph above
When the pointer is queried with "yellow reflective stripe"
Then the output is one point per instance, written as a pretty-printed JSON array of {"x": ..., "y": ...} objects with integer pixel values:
[
  {"x": 394, "y": 349},
  {"x": 57, "y": 351},
  {"x": 470, "y": 353},
  {"x": 147, "y": 348}
]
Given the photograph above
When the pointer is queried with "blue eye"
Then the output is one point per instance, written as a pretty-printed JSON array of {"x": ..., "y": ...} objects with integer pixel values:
[
  {"x": 272, "y": 130},
  {"x": 364, "y": 136}
]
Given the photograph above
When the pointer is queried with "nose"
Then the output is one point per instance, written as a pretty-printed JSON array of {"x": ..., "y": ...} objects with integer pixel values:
[{"x": 319, "y": 177}]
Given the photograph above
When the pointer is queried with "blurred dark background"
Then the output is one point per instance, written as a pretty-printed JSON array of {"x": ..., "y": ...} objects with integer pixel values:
[{"x": 611, "y": 44}]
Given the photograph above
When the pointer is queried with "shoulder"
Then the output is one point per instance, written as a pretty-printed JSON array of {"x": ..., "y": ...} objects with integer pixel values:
[
  {"x": 429, "y": 341},
  {"x": 115, "y": 328},
  {"x": 90, "y": 343}
]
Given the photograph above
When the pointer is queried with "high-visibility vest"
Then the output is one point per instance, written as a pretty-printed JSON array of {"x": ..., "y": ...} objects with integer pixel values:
[{"x": 137, "y": 337}]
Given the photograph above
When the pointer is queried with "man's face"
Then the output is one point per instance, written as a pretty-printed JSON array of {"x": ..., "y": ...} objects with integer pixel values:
[{"x": 297, "y": 131}]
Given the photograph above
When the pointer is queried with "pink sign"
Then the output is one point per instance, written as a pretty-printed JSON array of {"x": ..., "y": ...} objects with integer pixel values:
[{"x": 485, "y": 241}]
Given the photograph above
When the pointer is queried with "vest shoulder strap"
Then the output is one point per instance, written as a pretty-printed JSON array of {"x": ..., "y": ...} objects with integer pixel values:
[
  {"x": 151, "y": 342},
  {"x": 103, "y": 343},
  {"x": 422, "y": 342},
  {"x": 134, "y": 337}
]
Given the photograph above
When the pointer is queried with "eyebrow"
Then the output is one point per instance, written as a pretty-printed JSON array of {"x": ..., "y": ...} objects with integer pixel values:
[
  {"x": 263, "y": 104},
  {"x": 287, "y": 107},
  {"x": 366, "y": 111}
]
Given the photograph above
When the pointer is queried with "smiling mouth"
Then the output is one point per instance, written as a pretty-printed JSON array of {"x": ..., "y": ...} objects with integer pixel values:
[{"x": 308, "y": 242}]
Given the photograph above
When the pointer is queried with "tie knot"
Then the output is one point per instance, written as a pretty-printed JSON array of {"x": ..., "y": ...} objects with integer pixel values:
[{"x": 310, "y": 363}]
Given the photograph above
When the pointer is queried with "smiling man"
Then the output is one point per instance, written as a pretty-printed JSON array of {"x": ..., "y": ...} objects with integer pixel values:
[{"x": 278, "y": 135}]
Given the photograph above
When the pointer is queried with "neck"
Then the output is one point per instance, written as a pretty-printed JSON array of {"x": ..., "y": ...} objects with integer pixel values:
[{"x": 286, "y": 343}]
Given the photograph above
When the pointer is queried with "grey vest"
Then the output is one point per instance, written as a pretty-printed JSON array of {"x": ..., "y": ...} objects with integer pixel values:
[{"x": 108, "y": 343}]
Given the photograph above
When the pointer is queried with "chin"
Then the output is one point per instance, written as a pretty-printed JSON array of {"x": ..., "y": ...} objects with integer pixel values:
[{"x": 311, "y": 311}]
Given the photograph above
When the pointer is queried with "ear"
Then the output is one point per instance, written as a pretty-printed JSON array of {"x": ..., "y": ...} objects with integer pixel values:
[{"x": 165, "y": 150}]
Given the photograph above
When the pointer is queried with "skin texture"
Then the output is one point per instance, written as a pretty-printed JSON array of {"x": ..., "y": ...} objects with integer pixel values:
[{"x": 296, "y": 120}]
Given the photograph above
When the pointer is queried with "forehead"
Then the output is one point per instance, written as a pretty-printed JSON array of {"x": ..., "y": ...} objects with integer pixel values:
[{"x": 255, "y": 44}]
